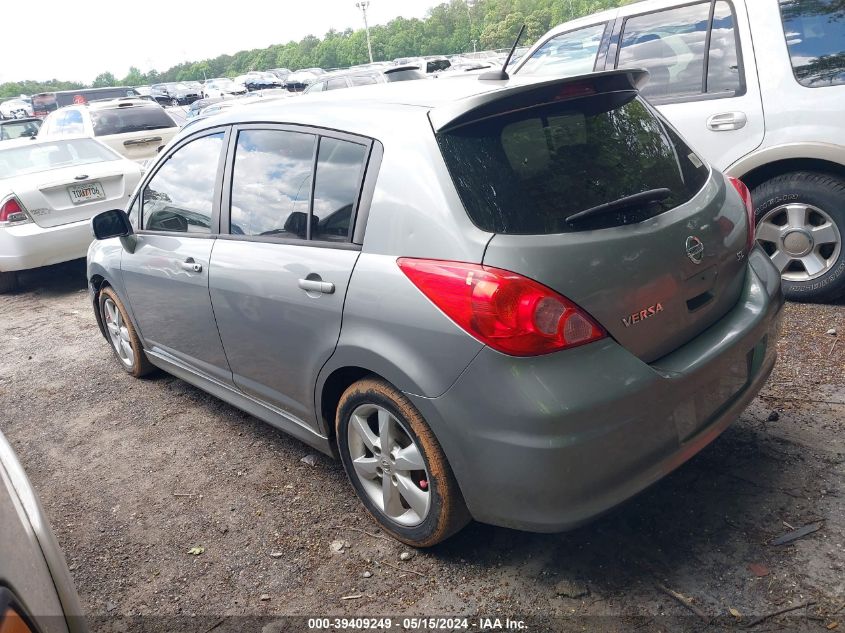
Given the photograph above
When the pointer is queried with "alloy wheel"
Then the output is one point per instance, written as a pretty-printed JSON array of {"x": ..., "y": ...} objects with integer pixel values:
[
  {"x": 389, "y": 465},
  {"x": 118, "y": 333},
  {"x": 802, "y": 240}
]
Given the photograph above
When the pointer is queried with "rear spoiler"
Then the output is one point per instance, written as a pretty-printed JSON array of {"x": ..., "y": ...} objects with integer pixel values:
[{"x": 518, "y": 95}]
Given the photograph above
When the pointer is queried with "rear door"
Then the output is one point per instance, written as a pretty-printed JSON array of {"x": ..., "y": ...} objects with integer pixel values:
[
  {"x": 654, "y": 271},
  {"x": 166, "y": 273},
  {"x": 279, "y": 278},
  {"x": 703, "y": 73}
]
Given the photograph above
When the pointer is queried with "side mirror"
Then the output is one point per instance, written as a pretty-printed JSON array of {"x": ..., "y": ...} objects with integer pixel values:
[{"x": 114, "y": 223}]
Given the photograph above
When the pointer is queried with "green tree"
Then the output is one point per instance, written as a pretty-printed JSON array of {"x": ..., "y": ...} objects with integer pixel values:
[{"x": 104, "y": 80}]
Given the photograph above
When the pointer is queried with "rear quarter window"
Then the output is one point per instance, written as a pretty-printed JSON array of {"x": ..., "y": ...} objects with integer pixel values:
[
  {"x": 526, "y": 172},
  {"x": 815, "y": 38}
]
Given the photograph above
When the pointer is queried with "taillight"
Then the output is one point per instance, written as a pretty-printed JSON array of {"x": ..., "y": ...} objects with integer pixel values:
[
  {"x": 745, "y": 194},
  {"x": 11, "y": 211},
  {"x": 510, "y": 313}
]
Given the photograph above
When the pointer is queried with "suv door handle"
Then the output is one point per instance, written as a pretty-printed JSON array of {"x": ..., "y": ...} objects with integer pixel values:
[
  {"x": 727, "y": 121},
  {"x": 191, "y": 266},
  {"x": 313, "y": 285}
]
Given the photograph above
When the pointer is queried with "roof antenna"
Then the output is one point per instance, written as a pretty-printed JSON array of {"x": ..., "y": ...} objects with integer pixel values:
[{"x": 501, "y": 75}]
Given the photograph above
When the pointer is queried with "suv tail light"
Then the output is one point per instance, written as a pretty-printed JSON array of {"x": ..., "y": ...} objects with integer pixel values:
[
  {"x": 11, "y": 212},
  {"x": 745, "y": 194},
  {"x": 510, "y": 313}
]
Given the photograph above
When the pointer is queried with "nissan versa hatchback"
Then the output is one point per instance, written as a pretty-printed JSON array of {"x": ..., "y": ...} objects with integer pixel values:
[{"x": 515, "y": 301}]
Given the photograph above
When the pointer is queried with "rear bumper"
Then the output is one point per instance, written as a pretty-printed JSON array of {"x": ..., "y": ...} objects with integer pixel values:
[
  {"x": 547, "y": 443},
  {"x": 30, "y": 246}
]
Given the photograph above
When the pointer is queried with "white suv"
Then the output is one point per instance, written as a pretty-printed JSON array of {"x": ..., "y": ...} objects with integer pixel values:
[
  {"x": 134, "y": 128},
  {"x": 758, "y": 88}
]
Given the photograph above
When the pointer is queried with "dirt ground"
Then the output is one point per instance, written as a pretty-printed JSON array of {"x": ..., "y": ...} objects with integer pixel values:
[{"x": 134, "y": 473}]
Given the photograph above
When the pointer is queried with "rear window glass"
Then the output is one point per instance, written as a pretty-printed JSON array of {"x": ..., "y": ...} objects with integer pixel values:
[
  {"x": 39, "y": 157},
  {"x": 815, "y": 37},
  {"x": 526, "y": 172},
  {"x": 129, "y": 119}
]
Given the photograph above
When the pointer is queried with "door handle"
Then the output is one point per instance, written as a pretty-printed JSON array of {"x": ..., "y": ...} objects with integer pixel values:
[
  {"x": 191, "y": 266},
  {"x": 313, "y": 285},
  {"x": 727, "y": 121}
]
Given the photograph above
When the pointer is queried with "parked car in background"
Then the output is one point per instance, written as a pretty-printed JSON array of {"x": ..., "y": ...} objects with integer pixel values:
[
  {"x": 563, "y": 304},
  {"x": 281, "y": 73},
  {"x": 220, "y": 87},
  {"x": 36, "y": 589},
  {"x": 301, "y": 79},
  {"x": 261, "y": 81},
  {"x": 49, "y": 190},
  {"x": 366, "y": 77},
  {"x": 197, "y": 106},
  {"x": 173, "y": 94},
  {"x": 44, "y": 103},
  {"x": 758, "y": 87},
  {"x": 133, "y": 127},
  {"x": 428, "y": 64},
  {"x": 15, "y": 109},
  {"x": 19, "y": 128}
]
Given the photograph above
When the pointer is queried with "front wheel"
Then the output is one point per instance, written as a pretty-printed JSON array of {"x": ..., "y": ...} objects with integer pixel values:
[
  {"x": 800, "y": 224},
  {"x": 122, "y": 335},
  {"x": 396, "y": 465},
  {"x": 174, "y": 102}
]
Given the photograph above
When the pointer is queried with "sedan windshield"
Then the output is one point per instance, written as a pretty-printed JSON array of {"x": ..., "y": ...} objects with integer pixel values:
[{"x": 30, "y": 159}]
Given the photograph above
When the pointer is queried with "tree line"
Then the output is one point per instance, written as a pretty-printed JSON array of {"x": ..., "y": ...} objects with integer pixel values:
[{"x": 457, "y": 26}]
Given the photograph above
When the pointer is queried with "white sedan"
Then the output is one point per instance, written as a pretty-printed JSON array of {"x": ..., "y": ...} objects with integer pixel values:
[
  {"x": 222, "y": 88},
  {"x": 49, "y": 190}
]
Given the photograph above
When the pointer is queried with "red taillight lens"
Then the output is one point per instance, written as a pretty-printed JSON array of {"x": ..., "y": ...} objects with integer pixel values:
[
  {"x": 510, "y": 313},
  {"x": 745, "y": 194},
  {"x": 11, "y": 211}
]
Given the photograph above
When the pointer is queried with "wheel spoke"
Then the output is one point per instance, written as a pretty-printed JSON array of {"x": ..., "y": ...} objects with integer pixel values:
[
  {"x": 113, "y": 329},
  {"x": 366, "y": 467},
  {"x": 768, "y": 232},
  {"x": 110, "y": 311},
  {"x": 390, "y": 498},
  {"x": 363, "y": 429},
  {"x": 385, "y": 431},
  {"x": 124, "y": 334},
  {"x": 781, "y": 260},
  {"x": 825, "y": 234},
  {"x": 126, "y": 350},
  {"x": 409, "y": 458},
  {"x": 416, "y": 498},
  {"x": 796, "y": 215},
  {"x": 813, "y": 263}
]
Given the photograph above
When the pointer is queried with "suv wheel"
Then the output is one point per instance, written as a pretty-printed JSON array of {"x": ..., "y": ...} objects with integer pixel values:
[
  {"x": 121, "y": 333},
  {"x": 800, "y": 224},
  {"x": 174, "y": 102},
  {"x": 8, "y": 282},
  {"x": 397, "y": 466}
]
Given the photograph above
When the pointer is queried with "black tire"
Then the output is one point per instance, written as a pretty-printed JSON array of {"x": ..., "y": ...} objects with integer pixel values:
[
  {"x": 8, "y": 282},
  {"x": 825, "y": 192},
  {"x": 140, "y": 366},
  {"x": 447, "y": 512}
]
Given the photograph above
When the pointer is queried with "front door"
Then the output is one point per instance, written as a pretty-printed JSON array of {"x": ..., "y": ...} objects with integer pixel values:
[
  {"x": 279, "y": 279},
  {"x": 166, "y": 273}
]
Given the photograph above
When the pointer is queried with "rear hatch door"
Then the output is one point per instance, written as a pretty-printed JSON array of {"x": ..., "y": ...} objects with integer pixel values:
[
  {"x": 136, "y": 132},
  {"x": 657, "y": 252}
]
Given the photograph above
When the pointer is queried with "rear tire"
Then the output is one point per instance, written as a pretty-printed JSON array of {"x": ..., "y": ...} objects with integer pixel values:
[
  {"x": 801, "y": 225},
  {"x": 412, "y": 466},
  {"x": 122, "y": 335},
  {"x": 8, "y": 282}
]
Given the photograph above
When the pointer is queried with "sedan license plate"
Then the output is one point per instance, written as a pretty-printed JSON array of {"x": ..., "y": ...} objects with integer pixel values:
[{"x": 86, "y": 193}]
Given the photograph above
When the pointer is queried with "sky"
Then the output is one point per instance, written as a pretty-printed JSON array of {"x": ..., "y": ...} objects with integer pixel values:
[{"x": 104, "y": 35}]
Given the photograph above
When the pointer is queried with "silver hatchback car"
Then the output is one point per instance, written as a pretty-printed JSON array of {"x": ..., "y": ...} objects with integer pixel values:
[{"x": 517, "y": 301}]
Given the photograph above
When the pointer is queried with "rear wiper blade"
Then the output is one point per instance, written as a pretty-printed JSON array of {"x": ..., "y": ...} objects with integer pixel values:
[{"x": 651, "y": 195}]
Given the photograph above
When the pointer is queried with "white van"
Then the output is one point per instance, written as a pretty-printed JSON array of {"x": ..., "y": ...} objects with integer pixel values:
[{"x": 758, "y": 88}]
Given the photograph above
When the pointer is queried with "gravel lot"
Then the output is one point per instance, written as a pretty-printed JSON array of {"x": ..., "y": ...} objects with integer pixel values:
[{"x": 134, "y": 473}]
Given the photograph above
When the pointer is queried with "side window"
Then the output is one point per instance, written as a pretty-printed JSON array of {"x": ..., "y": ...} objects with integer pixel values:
[
  {"x": 363, "y": 80},
  {"x": 815, "y": 37},
  {"x": 340, "y": 165},
  {"x": 271, "y": 183},
  {"x": 180, "y": 196},
  {"x": 571, "y": 53},
  {"x": 336, "y": 84},
  {"x": 671, "y": 44}
]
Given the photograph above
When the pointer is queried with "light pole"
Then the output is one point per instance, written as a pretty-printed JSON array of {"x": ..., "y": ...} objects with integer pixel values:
[{"x": 363, "y": 6}]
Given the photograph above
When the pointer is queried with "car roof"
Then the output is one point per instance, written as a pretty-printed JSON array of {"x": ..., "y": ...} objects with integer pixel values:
[{"x": 446, "y": 101}]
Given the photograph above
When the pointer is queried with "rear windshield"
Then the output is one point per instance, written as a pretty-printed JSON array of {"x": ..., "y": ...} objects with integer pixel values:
[
  {"x": 528, "y": 171},
  {"x": 38, "y": 157},
  {"x": 129, "y": 119},
  {"x": 19, "y": 129}
]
